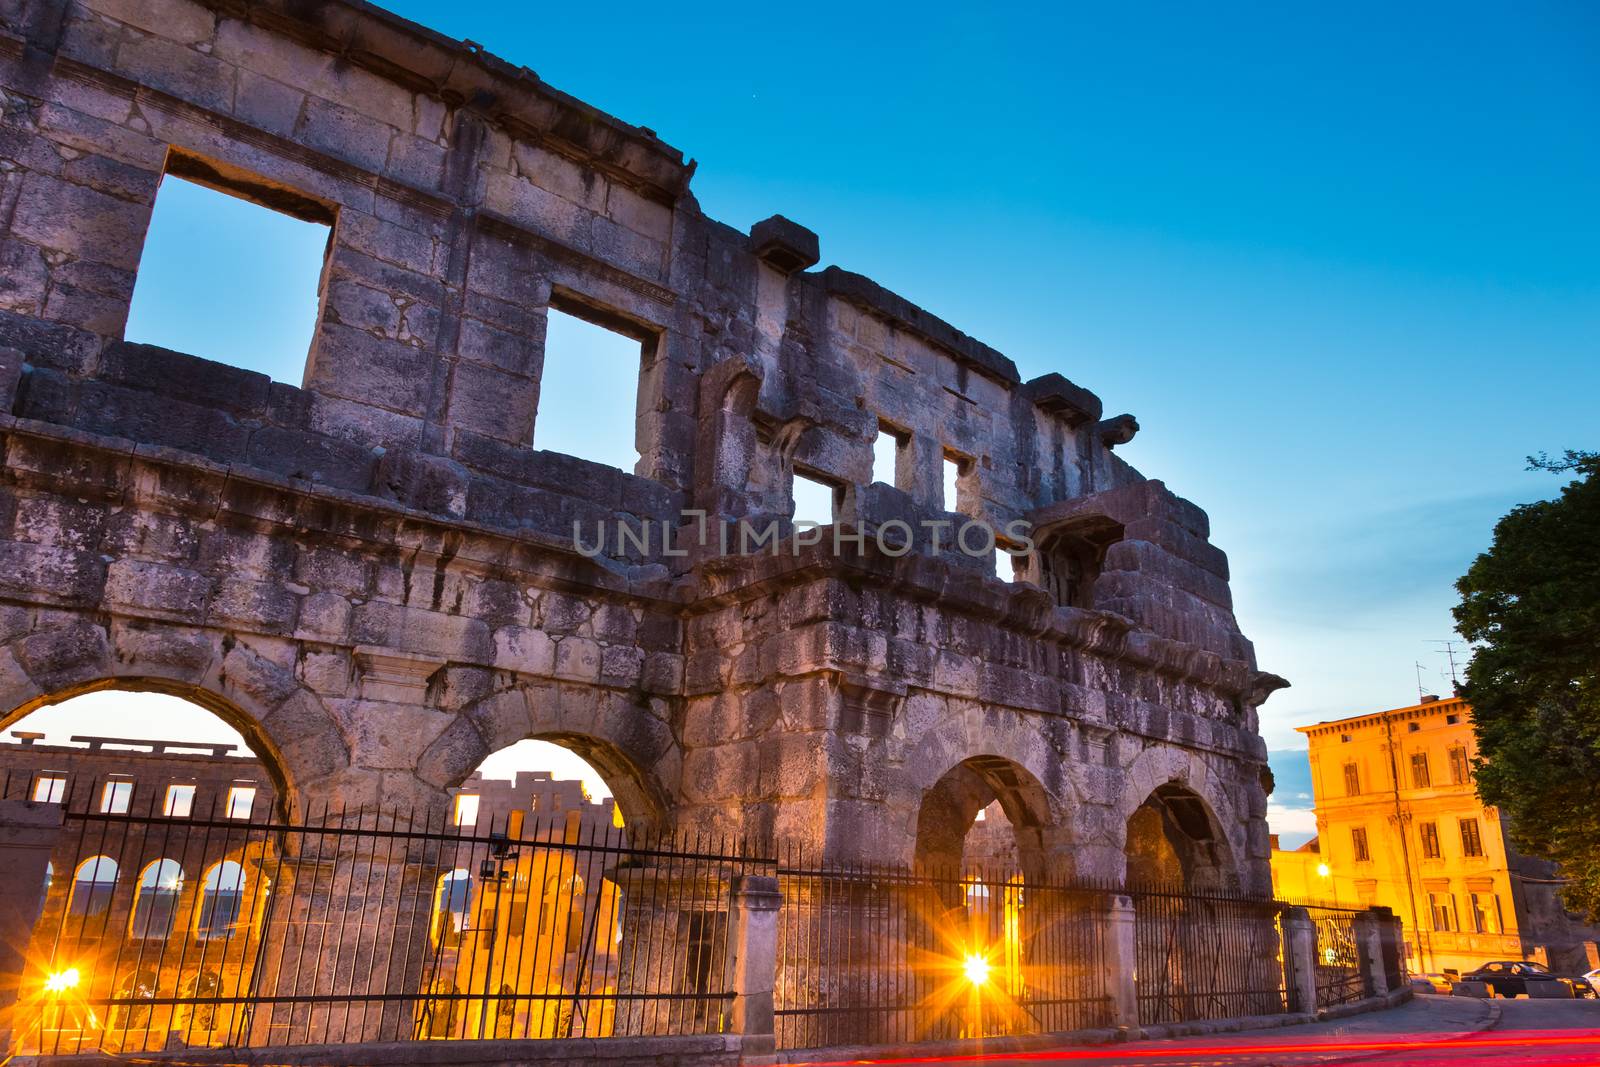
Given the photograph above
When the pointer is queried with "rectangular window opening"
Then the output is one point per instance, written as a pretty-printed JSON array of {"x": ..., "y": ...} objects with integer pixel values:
[
  {"x": 953, "y": 468},
  {"x": 888, "y": 457},
  {"x": 1419, "y": 771},
  {"x": 1358, "y": 841},
  {"x": 466, "y": 809},
  {"x": 225, "y": 278},
  {"x": 589, "y": 391},
  {"x": 49, "y": 788},
  {"x": 115, "y": 798},
  {"x": 179, "y": 802},
  {"x": 1471, "y": 838},
  {"x": 1352, "y": 780},
  {"x": 1430, "y": 840},
  {"x": 241, "y": 801},
  {"x": 813, "y": 500}
]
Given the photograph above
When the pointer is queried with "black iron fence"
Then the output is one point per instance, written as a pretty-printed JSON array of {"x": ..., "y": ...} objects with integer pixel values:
[
  {"x": 230, "y": 927},
  {"x": 882, "y": 954},
  {"x": 165, "y": 927},
  {"x": 1339, "y": 975},
  {"x": 1206, "y": 956}
]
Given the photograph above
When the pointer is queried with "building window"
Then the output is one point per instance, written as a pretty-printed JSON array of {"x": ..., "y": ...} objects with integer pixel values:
[
  {"x": 241, "y": 801},
  {"x": 954, "y": 468},
  {"x": 179, "y": 803},
  {"x": 813, "y": 500},
  {"x": 1485, "y": 921},
  {"x": 1439, "y": 908},
  {"x": 1460, "y": 773},
  {"x": 224, "y": 277},
  {"x": 157, "y": 903},
  {"x": 115, "y": 798},
  {"x": 1471, "y": 839},
  {"x": 890, "y": 458},
  {"x": 1358, "y": 839},
  {"x": 92, "y": 886},
  {"x": 49, "y": 788},
  {"x": 1352, "y": 780},
  {"x": 450, "y": 907},
  {"x": 588, "y": 389},
  {"x": 466, "y": 809},
  {"x": 221, "y": 901},
  {"x": 1419, "y": 771},
  {"x": 1430, "y": 840}
]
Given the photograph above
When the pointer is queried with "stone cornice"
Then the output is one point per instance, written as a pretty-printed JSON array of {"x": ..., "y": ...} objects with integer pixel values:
[
  {"x": 462, "y": 73},
  {"x": 1021, "y": 608}
]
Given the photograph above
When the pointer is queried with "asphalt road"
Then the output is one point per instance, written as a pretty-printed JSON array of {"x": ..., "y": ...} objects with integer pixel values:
[{"x": 1428, "y": 1031}]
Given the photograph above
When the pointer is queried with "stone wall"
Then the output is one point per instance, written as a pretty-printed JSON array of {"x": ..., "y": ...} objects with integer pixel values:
[{"x": 373, "y": 575}]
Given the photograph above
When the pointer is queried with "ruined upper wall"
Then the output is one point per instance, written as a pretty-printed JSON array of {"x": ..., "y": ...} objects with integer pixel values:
[{"x": 466, "y": 198}]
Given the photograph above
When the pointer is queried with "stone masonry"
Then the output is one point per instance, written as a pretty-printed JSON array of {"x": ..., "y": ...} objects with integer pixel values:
[{"x": 373, "y": 574}]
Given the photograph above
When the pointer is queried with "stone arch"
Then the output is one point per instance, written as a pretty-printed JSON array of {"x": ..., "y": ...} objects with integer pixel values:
[
  {"x": 284, "y": 723},
  {"x": 954, "y": 800},
  {"x": 974, "y": 756},
  {"x": 622, "y": 738},
  {"x": 1176, "y": 823}
]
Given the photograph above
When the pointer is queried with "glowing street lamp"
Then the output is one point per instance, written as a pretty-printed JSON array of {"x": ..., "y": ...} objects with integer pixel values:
[
  {"x": 1324, "y": 870},
  {"x": 62, "y": 981},
  {"x": 976, "y": 969}
]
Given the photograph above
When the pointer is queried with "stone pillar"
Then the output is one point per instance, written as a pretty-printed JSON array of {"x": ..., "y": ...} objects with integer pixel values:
[
  {"x": 1120, "y": 954},
  {"x": 1300, "y": 960},
  {"x": 1391, "y": 947},
  {"x": 28, "y": 834},
  {"x": 1369, "y": 953},
  {"x": 752, "y": 963}
]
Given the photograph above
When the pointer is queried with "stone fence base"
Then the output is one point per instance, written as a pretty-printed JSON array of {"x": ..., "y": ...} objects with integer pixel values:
[
  {"x": 717, "y": 1050},
  {"x": 1039, "y": 1042}
]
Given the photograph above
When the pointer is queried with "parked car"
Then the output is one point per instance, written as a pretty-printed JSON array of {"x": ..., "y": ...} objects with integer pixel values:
[
  {"x": 1430, "y": 983},
  {"x": 1511, "y": 978}
]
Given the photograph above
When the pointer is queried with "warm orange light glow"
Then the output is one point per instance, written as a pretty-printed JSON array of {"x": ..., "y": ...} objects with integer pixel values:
[
  {"x": 61, "y": 981},
  {"x": 976, "y": 968},
  {"x": 1322, "y": 869}
]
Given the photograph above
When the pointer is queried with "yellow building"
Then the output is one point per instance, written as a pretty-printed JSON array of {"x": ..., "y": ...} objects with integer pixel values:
[{"x": 1399, "y": 824}]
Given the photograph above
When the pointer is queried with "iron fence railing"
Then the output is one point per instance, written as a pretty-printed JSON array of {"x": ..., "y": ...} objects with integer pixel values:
[
  {"x": 237, "y": 928},
  {"x": 875, "y": 954},
  {"x": 1339, "y": 977},
  {"x": 1206, "y": 955},
  {"x": 165, "y": 927}
]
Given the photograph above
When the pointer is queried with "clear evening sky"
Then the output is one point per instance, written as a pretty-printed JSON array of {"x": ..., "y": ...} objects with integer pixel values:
[{"x": 1341, "y": 263}]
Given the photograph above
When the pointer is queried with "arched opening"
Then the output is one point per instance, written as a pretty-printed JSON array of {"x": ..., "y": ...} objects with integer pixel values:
[
  {"x": 137, "y": 986},
  {"x": 93, "y": 886},
  {"x": 156, "y": 906},
  {"x": 1173, "y": 840},
  {"x": 221, "y": 900},
  {"x": 126, "y": 748},
  {"x": 528, "y": 894},
  {"x": 450, "y": 907},
  {"x": 991, "y": 813}
]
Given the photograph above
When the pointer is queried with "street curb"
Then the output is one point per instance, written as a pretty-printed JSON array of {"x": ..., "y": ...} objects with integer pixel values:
[{"x": 1492, "y": 1016}]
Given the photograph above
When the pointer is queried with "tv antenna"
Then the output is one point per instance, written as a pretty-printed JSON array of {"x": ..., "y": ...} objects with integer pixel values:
[
  {"x": 1449, "y": 650},
  {"x": 1420, "y": 692}
]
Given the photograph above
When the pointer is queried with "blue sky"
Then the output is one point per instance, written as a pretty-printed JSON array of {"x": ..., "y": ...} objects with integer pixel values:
[{"x": 1341, "y": 263}]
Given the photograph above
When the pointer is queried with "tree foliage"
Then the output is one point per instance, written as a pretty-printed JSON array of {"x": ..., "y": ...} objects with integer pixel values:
[{"x": 1531, "y": 604}]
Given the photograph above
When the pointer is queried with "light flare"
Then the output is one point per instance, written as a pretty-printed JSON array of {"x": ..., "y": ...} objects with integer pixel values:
[
  {"x": 976, "y": 969},
  {"x": 61, "y": 981}
]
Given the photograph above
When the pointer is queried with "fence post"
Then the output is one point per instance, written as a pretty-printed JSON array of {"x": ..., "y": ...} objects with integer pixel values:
[
  {"x": 28, "y": 834},
  {"x": 753, "y": 963},
  {"x": 1300, "y": 959},
  {"x": 1121, "y": 962},
  {"x": 1368, "y": 926}
]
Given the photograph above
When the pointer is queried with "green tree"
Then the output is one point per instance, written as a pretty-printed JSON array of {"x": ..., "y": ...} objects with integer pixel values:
[{"x": 1531, "y": 604}]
